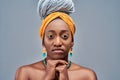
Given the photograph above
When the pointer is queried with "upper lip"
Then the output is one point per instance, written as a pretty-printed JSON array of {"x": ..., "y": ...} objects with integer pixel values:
[{"x": 57, "y": 49}]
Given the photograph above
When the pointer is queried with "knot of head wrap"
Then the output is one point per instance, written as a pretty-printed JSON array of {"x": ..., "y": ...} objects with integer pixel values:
[
  {"x": 46, "y": 7},
  {"x": 65, "y": 17}
]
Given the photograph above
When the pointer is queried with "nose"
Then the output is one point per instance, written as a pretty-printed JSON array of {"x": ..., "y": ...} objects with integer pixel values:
[{"x": 57, "y": 42}]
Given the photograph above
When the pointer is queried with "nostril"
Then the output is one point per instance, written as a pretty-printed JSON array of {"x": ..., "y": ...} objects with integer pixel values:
[{"x": 58, "y": 42}]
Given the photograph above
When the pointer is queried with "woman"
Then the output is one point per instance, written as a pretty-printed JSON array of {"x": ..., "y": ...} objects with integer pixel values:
[{"x": 57, "y": 34}]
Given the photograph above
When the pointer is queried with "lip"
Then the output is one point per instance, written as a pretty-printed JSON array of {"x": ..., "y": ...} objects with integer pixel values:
[{"x": 58, "y": 50}]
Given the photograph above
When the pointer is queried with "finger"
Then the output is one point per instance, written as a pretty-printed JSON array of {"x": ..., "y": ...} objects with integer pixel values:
[
  {"x": 55, "y": 62},
  {"x": 51, "y": 64},
  {"x": 61, "y": 68},
  {"x": 61, "y": 62}
]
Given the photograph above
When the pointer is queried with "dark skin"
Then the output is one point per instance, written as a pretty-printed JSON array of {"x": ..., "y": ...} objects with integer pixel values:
[{"x": 57, "y": 41}]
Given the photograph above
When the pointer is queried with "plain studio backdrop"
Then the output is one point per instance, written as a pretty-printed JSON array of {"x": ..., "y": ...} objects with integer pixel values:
[{"x": 97, "y": 38}]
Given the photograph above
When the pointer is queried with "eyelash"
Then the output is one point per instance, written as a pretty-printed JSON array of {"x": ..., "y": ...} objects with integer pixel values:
[
  {"x": 63, "y": 36},
  {"x": 51, "y": 36}
]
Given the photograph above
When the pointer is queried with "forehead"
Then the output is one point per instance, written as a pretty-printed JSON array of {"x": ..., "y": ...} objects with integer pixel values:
[{"x": 57, "y": 25}]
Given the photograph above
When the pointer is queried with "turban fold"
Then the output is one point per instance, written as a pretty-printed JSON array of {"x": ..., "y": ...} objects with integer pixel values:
[
  {"x": 65, "y": 17},
  {"x": 46, "y": 7}
]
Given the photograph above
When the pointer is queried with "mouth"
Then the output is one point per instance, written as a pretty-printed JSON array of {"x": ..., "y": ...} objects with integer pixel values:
[{"x": 58, "y": 51}]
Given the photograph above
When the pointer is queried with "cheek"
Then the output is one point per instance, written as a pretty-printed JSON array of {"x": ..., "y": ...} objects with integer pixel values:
[
  {"x": 47, "y": 43},
  {"x": 68, "y": 43}
]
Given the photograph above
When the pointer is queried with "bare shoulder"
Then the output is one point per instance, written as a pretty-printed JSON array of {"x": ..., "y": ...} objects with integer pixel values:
[
  {"x": 24, "y": 72},
  {"x": 85, "y": 72},
  {"x": 90, "y": 73}
]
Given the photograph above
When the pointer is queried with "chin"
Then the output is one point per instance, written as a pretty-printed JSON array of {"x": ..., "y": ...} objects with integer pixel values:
[{"x": 56, "y": 57}]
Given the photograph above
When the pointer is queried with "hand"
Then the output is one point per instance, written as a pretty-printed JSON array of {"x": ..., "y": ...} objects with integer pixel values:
[
  {"x": 63, "y": 74},
  {"x": 56, "y": 67},
  {"x": 50, "y": 70}
]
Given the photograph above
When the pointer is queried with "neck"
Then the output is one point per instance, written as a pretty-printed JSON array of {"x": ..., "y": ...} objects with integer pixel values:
[
  {"x": 65, "y": 59},
  {"x": 68, "y": 66}
]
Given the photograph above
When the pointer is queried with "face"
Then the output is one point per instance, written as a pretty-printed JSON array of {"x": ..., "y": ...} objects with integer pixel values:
[{"x": 57, "y": 39}]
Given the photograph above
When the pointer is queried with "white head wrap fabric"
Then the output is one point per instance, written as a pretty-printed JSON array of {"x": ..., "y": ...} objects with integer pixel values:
[{"x": 45, "y": 7}]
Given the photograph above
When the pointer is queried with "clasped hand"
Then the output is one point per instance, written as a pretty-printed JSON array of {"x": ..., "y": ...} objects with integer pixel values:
[{"x": 56, "y": 70}]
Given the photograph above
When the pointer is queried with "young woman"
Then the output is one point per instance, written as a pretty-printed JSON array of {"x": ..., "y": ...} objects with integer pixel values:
[{"x": 57, "y": 34}]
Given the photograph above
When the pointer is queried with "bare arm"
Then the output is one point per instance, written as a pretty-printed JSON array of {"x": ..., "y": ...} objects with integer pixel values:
[{"x": 21, "y": 74}]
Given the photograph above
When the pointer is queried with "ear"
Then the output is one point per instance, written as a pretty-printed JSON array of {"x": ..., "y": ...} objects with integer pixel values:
[
  {"x": 43, "y": 45},
  {"x": 72, "y": 43}
]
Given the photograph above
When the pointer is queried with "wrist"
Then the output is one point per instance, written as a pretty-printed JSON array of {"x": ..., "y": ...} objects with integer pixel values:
[{"x": 48, "y": 78}]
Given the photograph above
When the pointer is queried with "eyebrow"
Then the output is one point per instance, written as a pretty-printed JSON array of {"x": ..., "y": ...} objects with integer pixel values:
[
  {"x": 61, "y": 31},
  {"x": 51, "y": 31},
  {"x": 64, "y": 31}
]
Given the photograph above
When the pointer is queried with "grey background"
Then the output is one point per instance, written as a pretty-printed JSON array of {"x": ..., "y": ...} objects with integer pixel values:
[{"x": 96, "y": 40}]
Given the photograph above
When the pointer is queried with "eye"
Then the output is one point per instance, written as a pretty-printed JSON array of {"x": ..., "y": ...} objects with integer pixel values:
[
  {"x": 64, "y": 36},
  {"x": 50, "y": 36}
]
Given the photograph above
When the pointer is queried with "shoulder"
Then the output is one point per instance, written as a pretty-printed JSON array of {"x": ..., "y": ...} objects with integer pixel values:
[
  {"x": 23, "y": 69},
  {"x": 85, "y": 72},
  {"x": 34, "y": 66},
  {"x": 90, "y": 74},
  {"x": 24, "y": 72}
]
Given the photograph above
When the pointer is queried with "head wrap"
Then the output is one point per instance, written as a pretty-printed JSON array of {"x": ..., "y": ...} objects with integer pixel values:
[
  {"x": 52, "y": 9},
  {"x": 46, "y": 7},
  {"x": 65, "y": 17}
]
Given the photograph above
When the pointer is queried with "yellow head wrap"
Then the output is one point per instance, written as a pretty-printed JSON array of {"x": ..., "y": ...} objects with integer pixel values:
[{"x": 54, "y": 15}]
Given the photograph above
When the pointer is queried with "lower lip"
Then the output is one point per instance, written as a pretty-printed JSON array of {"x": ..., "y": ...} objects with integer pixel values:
[{"x": 58, "y": 51}]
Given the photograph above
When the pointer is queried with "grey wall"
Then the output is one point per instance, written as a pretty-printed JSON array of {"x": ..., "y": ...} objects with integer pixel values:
[{"x": 96, "y": 41}]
